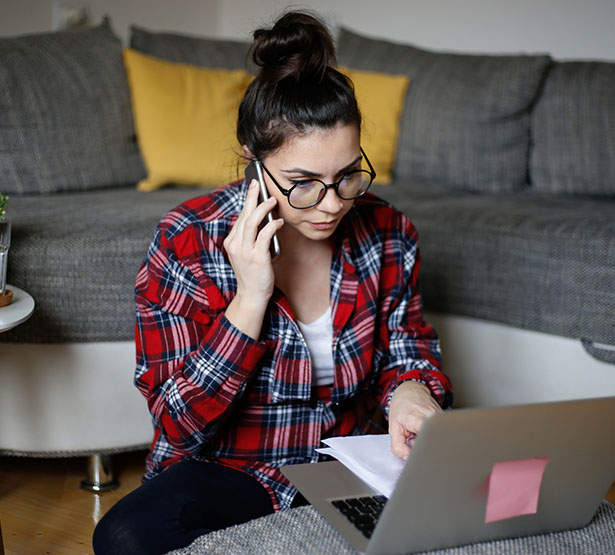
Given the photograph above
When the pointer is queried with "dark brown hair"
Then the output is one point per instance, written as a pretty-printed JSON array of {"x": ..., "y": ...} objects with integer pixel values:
[{"x": 297, "y": 88}]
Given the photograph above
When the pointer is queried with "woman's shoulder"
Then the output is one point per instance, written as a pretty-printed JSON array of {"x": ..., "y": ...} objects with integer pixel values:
[
  {"x": 381, "y": 216},
  {"x": 218, "y": 207}
]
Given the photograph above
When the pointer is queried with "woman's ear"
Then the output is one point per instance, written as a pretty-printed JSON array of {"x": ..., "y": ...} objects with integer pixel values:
[{"x": 247, "y": 153}]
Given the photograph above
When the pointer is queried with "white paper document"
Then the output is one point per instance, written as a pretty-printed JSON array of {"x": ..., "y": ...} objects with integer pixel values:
[{"x": 369, "y": 457}]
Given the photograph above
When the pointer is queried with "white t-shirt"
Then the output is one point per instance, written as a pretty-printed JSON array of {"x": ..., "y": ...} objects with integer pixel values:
[{"x": 318, "y": 336}]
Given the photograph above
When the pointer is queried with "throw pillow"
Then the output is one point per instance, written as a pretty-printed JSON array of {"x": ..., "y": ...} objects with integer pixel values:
[
  {"x": 185, "y": 118},
  {"x": 65, "y": 118},
  {"x": 381, "y": 101},
  {"x": 466, "y": 121}
]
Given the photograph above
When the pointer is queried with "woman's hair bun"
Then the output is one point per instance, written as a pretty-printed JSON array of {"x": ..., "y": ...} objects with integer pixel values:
[
  {"x": 297, "y": 88},
  {"x": 298, "y": 45}
]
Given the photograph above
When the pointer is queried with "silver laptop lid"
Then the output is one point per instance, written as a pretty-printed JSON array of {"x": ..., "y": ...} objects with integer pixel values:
[{"x": 442, "y": 496}]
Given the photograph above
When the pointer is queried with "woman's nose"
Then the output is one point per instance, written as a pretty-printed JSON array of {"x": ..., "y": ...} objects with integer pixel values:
[{"x": 331, "y": 202}]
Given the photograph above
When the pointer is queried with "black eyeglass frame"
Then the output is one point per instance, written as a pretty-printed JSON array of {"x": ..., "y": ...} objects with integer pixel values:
[{"x": 335, "y": 186}]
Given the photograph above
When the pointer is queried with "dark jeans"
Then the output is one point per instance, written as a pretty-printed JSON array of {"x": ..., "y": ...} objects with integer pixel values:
[{"x": 182, "y": 503}]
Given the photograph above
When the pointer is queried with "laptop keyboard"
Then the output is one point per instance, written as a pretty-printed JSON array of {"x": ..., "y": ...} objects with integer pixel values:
[{"x": 363, "y": 512}]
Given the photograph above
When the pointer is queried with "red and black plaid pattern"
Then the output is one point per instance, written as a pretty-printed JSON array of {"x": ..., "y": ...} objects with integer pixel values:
[{"x": 216, "y": 394}]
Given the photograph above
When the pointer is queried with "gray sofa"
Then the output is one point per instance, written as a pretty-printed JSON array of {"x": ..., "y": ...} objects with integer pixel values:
[{"x": 506, "y": 165}]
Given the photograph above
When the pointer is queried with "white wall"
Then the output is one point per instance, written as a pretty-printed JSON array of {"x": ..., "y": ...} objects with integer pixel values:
[
  {"x": 563, "y": 28},
  {"x": 198, "y": 17}
]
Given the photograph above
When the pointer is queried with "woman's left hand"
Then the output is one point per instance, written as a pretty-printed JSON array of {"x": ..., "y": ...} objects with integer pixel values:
[{"x": 410, "y": 406}]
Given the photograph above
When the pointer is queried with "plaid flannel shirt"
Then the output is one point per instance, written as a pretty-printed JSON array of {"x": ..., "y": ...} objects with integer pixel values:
[{"x": 216, "y": 394}]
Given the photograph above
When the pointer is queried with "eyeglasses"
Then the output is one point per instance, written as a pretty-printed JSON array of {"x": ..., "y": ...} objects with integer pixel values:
[{"x": 306, "y": 193}]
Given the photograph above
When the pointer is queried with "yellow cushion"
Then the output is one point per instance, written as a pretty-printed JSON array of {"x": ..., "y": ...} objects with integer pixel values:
[
  {"x": 185, "y": 118},
  {"x": 381, "y": 100}
]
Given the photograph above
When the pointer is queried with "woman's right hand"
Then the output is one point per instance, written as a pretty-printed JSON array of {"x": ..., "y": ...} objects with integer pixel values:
[{"x": 248, "y": 252}]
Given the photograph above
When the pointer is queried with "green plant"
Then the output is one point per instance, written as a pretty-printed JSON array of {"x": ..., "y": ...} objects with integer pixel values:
[{"x": 4, "y": 199}]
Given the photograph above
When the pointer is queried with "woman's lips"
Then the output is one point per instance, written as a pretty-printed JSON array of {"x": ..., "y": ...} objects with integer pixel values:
[{"x": 323, "y": 226}]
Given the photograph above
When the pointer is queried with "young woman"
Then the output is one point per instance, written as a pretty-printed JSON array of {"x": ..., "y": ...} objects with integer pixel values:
[{"x": 248, "y": 362}]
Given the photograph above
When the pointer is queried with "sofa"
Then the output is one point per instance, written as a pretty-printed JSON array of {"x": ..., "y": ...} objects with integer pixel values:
[{"x": 505, "y": 164}]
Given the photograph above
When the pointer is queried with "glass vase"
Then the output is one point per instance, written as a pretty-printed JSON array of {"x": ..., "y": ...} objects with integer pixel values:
[{"x": 5, "y": 243}]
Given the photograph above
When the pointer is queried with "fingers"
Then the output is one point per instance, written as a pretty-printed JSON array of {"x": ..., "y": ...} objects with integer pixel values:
[
  {"x": 238, "y": 228},
  {"x": 248, "y": 248},
  {"x": 254, "y": 212},
  {"x": 403, "y": 431},
  {"x": 399, "y": 441},
  {"x": 265, "y": 235},
  {"x": 411, "y": 405},
  {"x": 412, "y": 422},
  {"x": 246, "y": 228},
  {"x": 251, "y": 197}
]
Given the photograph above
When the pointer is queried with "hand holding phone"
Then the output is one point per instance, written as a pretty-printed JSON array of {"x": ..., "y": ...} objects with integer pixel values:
[{"x": 254, "y": 170}]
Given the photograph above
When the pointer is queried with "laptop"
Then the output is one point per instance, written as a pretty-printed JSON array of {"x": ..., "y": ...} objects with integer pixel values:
[{"x": 450, "y": 489}]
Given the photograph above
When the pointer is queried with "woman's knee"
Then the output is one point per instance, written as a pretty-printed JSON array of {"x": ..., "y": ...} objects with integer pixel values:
[{"x": 117, "y": 533}]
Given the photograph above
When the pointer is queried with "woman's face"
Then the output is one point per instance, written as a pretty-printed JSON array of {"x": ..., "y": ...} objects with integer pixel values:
[{"x": 324, "y": 154}]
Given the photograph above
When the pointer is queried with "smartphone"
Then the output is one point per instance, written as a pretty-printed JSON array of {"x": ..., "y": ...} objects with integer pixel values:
[{"x": 254, "y": 170}]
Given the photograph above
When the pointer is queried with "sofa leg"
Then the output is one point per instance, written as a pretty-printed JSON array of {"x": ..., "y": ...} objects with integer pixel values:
[{"x": 100, "y": 474}]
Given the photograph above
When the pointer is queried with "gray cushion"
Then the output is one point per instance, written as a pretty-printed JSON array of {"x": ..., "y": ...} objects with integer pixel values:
[
  {"x": 534, "y": 262},
  {"x": 507, "y": 259},
  {"x": 530, "y": 261},
  {"x": 190, "y": 50},
  {"x": 65, "y": 113},
  {"x": 573, "y": 128},
  {"x": 78, "y": 255},
  {"x": 303, "y": 531},
  {"x": 466, "y": 118}
]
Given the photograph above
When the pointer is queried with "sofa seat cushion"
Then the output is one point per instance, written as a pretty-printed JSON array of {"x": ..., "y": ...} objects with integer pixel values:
[
  {"x": 534, "y": 262},
  {"x": 78, "y": 255}
]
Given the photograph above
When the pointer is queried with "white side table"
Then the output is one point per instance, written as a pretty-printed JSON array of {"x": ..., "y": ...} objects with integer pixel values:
[{"x": 18, "y": 311}]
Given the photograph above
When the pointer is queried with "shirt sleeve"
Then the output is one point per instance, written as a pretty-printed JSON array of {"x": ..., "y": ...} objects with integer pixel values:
[
  {"x": 409, "y": 346},
  {"x": 193, "y": 365}
]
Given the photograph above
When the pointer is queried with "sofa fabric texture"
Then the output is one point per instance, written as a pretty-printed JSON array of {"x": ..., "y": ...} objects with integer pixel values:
[
  {"x": 526, "y": 260},
  {"x": 466, "y": 123},
  {"x": 302, "y": 531},
  {"x": 531, "y": 261},
  {"x": 65, "y": 112},
  {"x": 573, "y": 127},
  {"x": 502, "y": 239},
  {"x": 78, "y": 254},
  {"x": 185, "y": 49}
]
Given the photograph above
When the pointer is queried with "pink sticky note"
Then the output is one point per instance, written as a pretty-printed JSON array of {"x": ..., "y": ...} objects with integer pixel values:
[{"x": 514, "y": 487}]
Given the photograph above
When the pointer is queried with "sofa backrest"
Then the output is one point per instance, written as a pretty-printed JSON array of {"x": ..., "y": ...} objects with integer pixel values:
[
  {"x": 573, "y": 130},
  {"x": 484, "y": 123},
  {"x": 466, "y": 122},
  {"x": 498, "y": 123},
  {"x": 186, "y": 49},
  {"x": 65, "y": 112}
]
